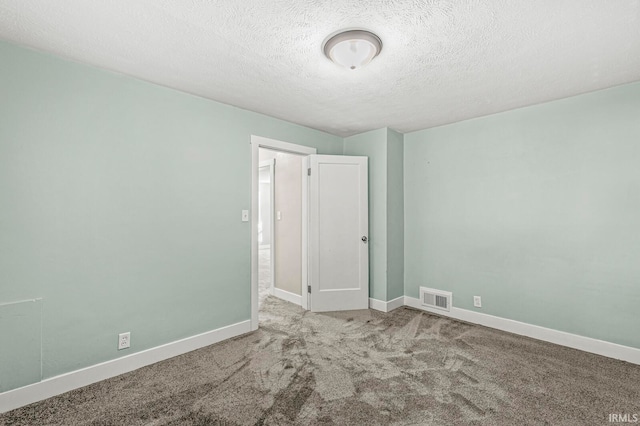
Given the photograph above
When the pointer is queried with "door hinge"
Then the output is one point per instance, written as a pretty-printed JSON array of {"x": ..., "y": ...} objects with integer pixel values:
[
  {"x": 308, "y": 289},
  {"x": 308, "y": 172}
]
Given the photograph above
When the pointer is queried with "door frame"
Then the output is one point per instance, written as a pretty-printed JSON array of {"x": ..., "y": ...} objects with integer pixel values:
[
  {"x": 258, "y": 142},
  {"x": 272, "y": 220}
]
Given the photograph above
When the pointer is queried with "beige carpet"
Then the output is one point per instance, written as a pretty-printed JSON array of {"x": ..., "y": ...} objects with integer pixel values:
[{"x": 357, "y": 368}]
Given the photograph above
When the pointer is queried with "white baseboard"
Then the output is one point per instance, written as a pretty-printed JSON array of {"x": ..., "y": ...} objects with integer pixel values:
[
  {"x": 287, "y": 295},
  {"x": 586, "y": 344},
  {"x": 395, "y": 303},
  {"x": 378, "y": 305},
  {"x": 65, "y": 382},
  {"x": 389, "y": 306}
]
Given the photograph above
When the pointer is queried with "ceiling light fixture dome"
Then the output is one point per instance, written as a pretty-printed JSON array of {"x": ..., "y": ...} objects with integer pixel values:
[{"x": 352, "y": 48}]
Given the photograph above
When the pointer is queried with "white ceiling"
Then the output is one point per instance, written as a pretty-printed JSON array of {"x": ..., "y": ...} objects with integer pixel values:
[{"x": 442, "y": 61}]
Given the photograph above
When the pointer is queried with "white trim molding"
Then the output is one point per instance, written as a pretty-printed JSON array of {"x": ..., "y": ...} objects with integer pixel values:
[
  {"x": 389, "y": 306},
  {"x": 76, "y": 379},
  {"x": 586, "y": 344},
  {"x": 288, "y": 296}
]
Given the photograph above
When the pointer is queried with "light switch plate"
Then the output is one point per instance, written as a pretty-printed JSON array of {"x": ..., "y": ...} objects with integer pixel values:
[{"x": 245, "y": 215}]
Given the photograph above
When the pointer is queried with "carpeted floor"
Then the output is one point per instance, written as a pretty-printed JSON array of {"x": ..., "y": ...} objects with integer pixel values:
[{"x": 357, "y": 368}]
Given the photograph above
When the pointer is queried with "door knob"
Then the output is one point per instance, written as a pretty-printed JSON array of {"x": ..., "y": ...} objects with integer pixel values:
[{"x": 364, "y": 239}]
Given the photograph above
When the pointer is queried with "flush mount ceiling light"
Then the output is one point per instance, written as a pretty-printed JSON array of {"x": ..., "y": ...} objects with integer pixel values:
[{"x": 353, "y": 48}]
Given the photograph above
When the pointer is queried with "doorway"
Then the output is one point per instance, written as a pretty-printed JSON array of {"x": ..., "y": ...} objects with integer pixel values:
[
  {"x": 280, "y": 260},
  {"x": 274, "y": 146},
  {"x": 330, "y": 252},
  {"x": 266, "y": 228}
]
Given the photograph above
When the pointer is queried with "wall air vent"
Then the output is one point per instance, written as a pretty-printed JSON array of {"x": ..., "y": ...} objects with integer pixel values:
[{"x": 436, "y": 299}]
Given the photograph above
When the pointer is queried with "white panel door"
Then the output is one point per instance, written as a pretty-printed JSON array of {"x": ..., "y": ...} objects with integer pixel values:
[{"x": 338, "y": 233}]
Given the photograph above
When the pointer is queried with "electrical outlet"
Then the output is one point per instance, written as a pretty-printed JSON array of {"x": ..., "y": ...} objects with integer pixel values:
[
  {"x": 477, "y": 301},
  {"x": 124, "y": 340}
]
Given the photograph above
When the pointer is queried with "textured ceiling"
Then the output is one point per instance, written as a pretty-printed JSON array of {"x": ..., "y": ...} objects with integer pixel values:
[{"x": 442, "y": 61}]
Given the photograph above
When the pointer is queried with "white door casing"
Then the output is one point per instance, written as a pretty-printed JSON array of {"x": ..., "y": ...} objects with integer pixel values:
[{"x": 338, "y": 246}]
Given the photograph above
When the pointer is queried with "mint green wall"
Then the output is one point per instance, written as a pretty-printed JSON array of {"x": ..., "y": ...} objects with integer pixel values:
[
  {"x": 384, "y": 148},
  {"x": 395, "y": 214},
  {"x": 20, "y": 325},
  {"x": 537, "y": 210},
  {"x": 121, "y": 205},
  {"x": 373, "y": 144}
]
